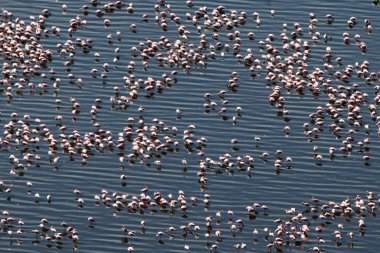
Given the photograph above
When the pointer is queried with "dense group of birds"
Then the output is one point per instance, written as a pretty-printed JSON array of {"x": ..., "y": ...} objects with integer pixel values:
[{"x": 281, "y": 58}]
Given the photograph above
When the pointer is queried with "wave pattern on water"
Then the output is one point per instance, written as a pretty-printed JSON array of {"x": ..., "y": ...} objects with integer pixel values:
[{"x": 229, "y": 187}]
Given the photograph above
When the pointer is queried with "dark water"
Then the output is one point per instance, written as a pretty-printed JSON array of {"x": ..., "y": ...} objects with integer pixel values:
[{"x": 345, "y": 176}]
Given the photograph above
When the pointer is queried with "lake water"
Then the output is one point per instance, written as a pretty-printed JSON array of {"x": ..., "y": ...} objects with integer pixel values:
[{"x": 229, "y": 187}]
